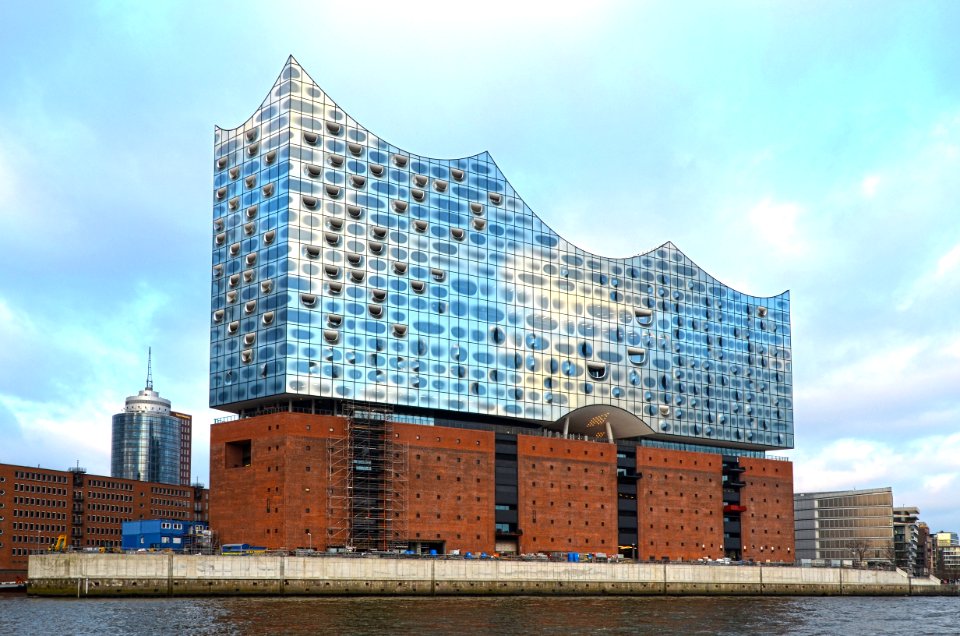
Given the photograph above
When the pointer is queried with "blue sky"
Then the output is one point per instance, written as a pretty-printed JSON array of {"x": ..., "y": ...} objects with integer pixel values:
[{"x": 804, "y": 145}]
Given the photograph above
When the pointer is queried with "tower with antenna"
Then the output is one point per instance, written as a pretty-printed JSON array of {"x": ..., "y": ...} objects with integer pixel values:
[{"x": 151, "y": 442}]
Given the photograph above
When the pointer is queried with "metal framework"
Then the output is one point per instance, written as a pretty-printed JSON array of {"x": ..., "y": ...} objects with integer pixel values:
[{"x": 367, "y": 482}]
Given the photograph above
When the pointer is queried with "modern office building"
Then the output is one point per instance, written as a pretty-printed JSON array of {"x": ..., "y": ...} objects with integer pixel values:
[
  {"x": 906, "y": 539},
  {"x": 37, "y": 505},
  {"x": 151, "y": 442},
  {"x": 382, "y": 319},
  {"x": 855, "y": 525}
]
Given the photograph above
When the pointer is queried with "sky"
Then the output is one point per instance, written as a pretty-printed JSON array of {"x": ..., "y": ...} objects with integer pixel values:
[{"x": 810, "y": 146}]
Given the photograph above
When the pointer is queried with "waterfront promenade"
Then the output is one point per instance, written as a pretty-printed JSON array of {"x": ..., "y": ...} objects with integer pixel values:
[{"x": 83, "y": 575}]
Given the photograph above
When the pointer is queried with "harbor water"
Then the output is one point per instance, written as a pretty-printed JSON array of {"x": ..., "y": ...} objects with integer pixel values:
[{"x": 938, "y": 616}]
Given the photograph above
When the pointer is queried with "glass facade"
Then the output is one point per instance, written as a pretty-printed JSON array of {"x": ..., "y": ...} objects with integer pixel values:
[
  {"x": 345, "y": 268},
  {"x": 146, "y": 447}
]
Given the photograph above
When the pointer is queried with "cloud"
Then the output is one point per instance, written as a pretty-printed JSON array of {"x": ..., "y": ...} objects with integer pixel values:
[
  {"x": 79, "y": 370},
  {"x": 869, "y": 185},
  {"x": 922, "y": 471},
  {"x": 776, "y": 223},
  {"x": 942, "y": 277}
]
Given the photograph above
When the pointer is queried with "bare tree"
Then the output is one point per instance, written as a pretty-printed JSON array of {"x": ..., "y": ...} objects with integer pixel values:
[{"x": 859, "y": 548}]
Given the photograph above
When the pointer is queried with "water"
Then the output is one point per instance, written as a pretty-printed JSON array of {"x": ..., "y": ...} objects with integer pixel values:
[{"x": 512, "y": 615}]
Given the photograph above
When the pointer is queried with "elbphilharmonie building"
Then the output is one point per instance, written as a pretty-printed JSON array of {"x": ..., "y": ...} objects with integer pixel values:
[{"x": 352, "y": 275}]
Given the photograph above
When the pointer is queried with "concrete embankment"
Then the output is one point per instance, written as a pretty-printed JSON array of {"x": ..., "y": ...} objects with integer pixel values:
[{"x": 174, "y": 575}]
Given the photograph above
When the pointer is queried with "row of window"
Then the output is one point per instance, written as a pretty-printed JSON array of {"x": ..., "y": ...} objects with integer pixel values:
[{"x": 58, "y": 479}]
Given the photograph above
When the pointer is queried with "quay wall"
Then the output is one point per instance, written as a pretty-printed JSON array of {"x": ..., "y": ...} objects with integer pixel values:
[{"x": 79, "y": 574}]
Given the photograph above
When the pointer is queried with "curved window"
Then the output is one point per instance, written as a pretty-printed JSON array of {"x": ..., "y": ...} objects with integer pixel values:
[
  {"x": 596, "y": 370},
  {"x": 637, "y": 356},
  {"x": 644, "y": 316}
]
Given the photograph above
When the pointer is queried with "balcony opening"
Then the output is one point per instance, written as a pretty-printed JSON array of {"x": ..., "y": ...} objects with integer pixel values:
[{"x": 237, "y": 454}]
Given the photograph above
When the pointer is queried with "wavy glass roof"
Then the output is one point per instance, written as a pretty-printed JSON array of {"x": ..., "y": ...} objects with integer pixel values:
[{"x": 346, "y": 268}]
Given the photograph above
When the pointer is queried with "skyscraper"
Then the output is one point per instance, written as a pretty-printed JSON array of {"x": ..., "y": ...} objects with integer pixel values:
[
  {"x": 150, "y": 443},
  {"x": 351, "y": 277}
]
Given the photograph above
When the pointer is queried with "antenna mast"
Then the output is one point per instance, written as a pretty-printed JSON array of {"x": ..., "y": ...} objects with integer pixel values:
[{"x": 150, "y": 368}]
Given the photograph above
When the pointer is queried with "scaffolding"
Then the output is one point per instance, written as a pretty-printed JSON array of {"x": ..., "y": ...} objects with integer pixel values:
[{"x": 367, "y": 483}]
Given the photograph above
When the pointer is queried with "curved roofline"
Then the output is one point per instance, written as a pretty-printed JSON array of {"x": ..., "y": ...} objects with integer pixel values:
[{"x": 291, "y": 61}]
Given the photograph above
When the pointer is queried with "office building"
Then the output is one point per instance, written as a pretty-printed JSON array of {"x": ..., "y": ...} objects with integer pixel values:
[
  {"x": 38, "y": 505},
  {"x": 854, "y": 525},
  {"x": 151, "y": 442},
  {"x": 381, "y": 319},
  {"x": 906, "y": 539}
]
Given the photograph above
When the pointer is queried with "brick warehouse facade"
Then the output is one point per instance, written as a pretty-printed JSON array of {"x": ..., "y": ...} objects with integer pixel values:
[
  {"x": 274, "y": 483},
  {"x": 37, "y": 505}
]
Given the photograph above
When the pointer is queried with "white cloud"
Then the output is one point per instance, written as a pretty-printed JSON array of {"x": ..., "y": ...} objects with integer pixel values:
[
  {"x": 922, "y": 472},
  {"x": 63, "y": 400},
  {"x": 869, "y": 185},
  {"x": 944, "y": 275},
  {"x": 948, "y": 264},
  {"x": 776, "y": 224}
]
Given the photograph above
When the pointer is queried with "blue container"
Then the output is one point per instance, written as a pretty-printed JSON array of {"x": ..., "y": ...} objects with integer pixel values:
[{"x": 433, "y": 553}]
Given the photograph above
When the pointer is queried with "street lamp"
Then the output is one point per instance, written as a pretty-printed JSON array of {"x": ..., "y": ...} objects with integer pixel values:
[{"x": 310, "y": 537}]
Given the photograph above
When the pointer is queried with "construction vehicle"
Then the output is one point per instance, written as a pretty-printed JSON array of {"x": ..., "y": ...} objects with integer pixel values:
[{"x": 60, "y": 545}]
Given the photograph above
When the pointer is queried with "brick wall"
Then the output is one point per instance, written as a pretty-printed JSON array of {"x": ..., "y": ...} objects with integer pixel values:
[
  {"x": 567, "y": 495},
  {"x": 679, "y": 505},
  {"x": 282, "y": 494},
  {"x": 768, "y": 522},
  {"x": 450, "y": 486}
]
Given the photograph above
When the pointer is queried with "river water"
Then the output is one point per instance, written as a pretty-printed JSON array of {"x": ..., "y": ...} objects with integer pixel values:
[{"x": 511, "y": 615}]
